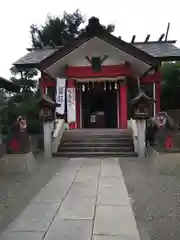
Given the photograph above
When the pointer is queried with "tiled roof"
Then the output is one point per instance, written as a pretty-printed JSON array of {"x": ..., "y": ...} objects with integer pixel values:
[
  {"x": 9, "y": 85},
  {"x": 159, "y": 49},
  {"x": 163, "y": 50},
  {"x": 36, "y": 56}
]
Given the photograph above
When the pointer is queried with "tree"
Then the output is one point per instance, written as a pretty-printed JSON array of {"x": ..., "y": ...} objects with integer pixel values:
[
  {"x": 25, "y": 78},
  {"x": 170, "y": 97},
  {"x": 60, "y": 30},
  {"x": 25, "y": 102}
]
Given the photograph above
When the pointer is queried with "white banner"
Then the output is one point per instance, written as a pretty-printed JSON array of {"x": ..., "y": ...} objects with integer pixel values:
[
  {"x": 60, "y": 94},
  {"x": 71, "y": 105}
]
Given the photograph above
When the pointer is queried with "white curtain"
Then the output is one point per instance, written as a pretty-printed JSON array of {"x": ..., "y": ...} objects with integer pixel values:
[
  {"x": 60, "y": 95},
  {"x": 71, "y": 105}
]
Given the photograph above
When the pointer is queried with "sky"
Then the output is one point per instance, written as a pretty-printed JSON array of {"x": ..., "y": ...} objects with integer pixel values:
[{"x": 139, "y": 17}]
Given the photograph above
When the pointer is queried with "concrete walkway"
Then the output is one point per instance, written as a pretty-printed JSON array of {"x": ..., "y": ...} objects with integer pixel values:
[{"x": 86, "y": 200}]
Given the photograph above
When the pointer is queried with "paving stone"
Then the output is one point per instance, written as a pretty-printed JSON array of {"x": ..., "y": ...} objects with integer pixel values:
[
  {"x": 110, "y": 170},
  {"x": 83, "y": 177},
  {"x": 120, "y": 237},
  {"x": 88, "y": 173},
  {"x": 51, "y": 194},
  {"x": 84, "y": 189},
  {"x": 22, "y": 236},
  {"x": 115, "y": 220},
  {"x": 70, "y": 230},
  {"x": 111, "y": 196},
  {"x": 55, "y": 190},
  {"x": 112, "y": 182},
  {"x": 36, "y": 217},
  {"x": 77, "y": 208}
]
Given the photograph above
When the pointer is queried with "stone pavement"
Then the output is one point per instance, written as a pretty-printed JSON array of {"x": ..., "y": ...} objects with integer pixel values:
[{"x": 86, "y": 200}]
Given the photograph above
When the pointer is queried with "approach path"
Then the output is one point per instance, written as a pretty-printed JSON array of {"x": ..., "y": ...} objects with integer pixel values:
[{"x": 86, "y": 200}]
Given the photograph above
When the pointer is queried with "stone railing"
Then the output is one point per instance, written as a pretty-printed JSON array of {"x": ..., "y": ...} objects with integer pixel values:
[{"x": 57, "y": 134}]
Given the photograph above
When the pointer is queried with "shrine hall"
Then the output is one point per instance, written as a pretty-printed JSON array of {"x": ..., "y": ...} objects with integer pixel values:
[{"x": 100, "y": 74}]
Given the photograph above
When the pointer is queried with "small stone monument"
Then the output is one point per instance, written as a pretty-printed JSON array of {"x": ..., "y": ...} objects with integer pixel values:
[{"x": 19, "y": 158}]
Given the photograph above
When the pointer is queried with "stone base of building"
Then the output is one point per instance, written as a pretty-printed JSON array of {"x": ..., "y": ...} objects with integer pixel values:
[{"x": 17, "y": 163}]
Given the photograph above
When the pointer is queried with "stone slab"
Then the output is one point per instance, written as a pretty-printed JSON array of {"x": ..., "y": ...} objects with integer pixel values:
[
  {"x": 77, "y": 208},
  {"x": 36, "y": 217},
  {"x": 115, "y": 221},
  {"x": 110, "y": 168},
  {"x": 83, "y": 176},
  {"x": 106, "y": 237},
  {"x": 54, "y": 191},
  {"x": 48, "y": 195},
  {"x": 22, "y": 236},
  {"x": 112, "y": 197},
  {"x": 112, "y": 191},
  {"x": 17, "y": 163},
  {"x": 83, "y": 189},
  {"x": 70, "y": 230}
]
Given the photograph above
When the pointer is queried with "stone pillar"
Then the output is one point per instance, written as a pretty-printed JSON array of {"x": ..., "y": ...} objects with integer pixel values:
[
  {"x": 141, "y": 128},
  {"x": 47, "y": 139},
  {"x": 158, "y": 96},
  {"x": 123, "y": 105}
]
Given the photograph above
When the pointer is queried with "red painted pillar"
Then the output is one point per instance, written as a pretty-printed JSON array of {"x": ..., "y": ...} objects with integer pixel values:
[
  {"x": 158, "y": 96},
  {"x": 42, "y": 85},
  {"x": 123, "y": 105},
  {"x": 72, "y": 84}
]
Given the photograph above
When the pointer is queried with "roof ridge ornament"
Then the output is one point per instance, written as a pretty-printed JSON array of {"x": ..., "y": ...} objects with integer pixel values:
[{"x": 94, "y": 27}]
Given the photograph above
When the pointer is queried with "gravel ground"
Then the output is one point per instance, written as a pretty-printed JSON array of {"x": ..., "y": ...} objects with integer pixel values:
[
  {"x": 16, "y": 191},
  {"x": 155, "y": 198}
]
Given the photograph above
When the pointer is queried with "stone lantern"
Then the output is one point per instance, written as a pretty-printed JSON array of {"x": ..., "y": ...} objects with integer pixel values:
[
  {"x": 141, "y": 105},
  {"x": 47, "y": 114},
  {"x": 46, "y": 109}
]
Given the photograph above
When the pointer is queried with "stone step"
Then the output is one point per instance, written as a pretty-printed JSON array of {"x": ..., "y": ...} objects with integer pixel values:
[
  {"x": 99, "y": 139},
  {"x": 99, "y": 130},
  {"x": 94, "y": 144},
  {"x": 94, "y": 134},
  {"x": 96, "y": 149},
  {"x": 87, "y": 138},
  {"x": 94, "y": 154}
]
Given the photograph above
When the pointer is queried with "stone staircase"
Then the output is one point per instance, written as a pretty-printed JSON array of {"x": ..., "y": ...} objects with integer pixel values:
[{"x": 96, "y": 143}]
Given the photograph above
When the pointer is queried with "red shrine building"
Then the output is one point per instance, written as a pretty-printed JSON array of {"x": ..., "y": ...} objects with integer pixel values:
[{"x": 101, "y": 72}]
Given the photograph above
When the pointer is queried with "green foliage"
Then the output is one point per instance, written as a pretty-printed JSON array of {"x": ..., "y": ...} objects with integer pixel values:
[
  {"x": 170, "y": 97},
  {"x": 60, "y": 30},
  {"x": 24, "y": 103},
  {"x": 17, "y": 107},
  {"x": 171, "y": 74},
  {"x": 25, "y": 78}
]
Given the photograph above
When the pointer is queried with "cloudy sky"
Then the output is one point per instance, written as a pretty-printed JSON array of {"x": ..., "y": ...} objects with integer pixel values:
[{"x": 140, "y": 17}]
